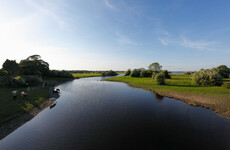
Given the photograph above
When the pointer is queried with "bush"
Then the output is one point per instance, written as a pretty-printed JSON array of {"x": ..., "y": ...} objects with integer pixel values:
[
  {"x": 207, "y": 77},
  {"x": 166, "y": 74},
  {"x": 127, "y": 73},
  {"x": 226, "y": 85},
  {"x": 135, "y": 73},
  {"x": 154, "y": 75},
  {"x": 223, "y": 70},
  {"x": 146, "y": 73},
  {"x": 160, "y": 78},
  {"x": 3, "y": 72},
  {"x": 17, "y": 82},
  {"x": 60, "y": 74},
  {"x": 109, "y": 73},
  {"x": 32, "y": 80}
]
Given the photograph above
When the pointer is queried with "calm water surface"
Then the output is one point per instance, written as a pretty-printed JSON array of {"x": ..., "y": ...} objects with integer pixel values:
[{"x": 94, "y": 114}]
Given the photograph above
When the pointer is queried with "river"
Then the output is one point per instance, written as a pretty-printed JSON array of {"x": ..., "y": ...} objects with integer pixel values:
[{"x": 94, "y": 114}]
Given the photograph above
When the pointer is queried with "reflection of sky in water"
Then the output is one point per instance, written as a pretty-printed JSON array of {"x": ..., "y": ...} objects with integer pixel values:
[{"x": 94, "y": 114}]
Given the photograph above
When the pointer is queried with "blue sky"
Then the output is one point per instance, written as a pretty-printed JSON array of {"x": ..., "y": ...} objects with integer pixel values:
[{"x": 117, "y": 34}]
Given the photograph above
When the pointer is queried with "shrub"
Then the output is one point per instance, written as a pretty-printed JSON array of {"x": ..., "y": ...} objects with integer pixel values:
[
  {"x": 154, "y": 75},
  {"x": 60, "y": 74},
  {"x": 166, "y": 74},
  {"x": 223, "y": 70},
  {"x": 226, "y": 85},
  {"x": 127, "y": 73},
  {"x": 109, "y": 73},
  {"x": 160, "y": 79},
  {"x": 3, "y": 72},
  {"x": 17, "y": 82},
  {"x": 207, "y": 77},
  {"x": 32, "y": 80},
  {"x": 135, "y": 73}
]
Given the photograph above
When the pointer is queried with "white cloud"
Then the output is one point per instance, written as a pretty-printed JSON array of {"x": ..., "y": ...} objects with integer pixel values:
[
  {"x": 108, "y": 4},
  {"x": 184, "y": 42},
  {"x": 164, "y": 41},
  {"x": 199, "y": 45}
]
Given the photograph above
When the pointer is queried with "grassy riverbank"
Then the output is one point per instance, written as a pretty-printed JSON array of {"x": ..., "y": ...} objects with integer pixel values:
[
  {"x": 85, "y": 75},
  {"x": 180, "y": 87},
  {"x": 15, "y": 113}
]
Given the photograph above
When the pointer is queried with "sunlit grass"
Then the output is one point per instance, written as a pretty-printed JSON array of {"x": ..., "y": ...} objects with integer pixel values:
[
  {"x": 85, "y": 75},
  {"x": 180, "y": 87}
]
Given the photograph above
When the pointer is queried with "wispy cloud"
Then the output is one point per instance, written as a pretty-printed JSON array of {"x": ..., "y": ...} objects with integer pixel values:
[
  {"x": 187, "y": 43},
  {"x": 162, "y": 31},
  {"x": 163, "y": 41},
  {"x": 46, "y": 8},
  {"x": 108, "y": 4},
  {"x": 122, "y": 39},
  {"x": 198, "y": 45}
]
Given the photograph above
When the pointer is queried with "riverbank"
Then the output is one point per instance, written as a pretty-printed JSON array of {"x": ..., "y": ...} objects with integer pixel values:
[
  {"x": 180, "y": 88},
  {"x": 13, "y": 114},
  {"x": 85, "y": 75}
]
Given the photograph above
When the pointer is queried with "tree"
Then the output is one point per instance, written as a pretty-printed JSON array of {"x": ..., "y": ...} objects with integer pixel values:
[
  {"x": 223, "y": 70},
  {"x": 166, "y": 74},
  {"x": 160, "y": 78},
  {"x": 11, "y": 66},
  {"x": 156, "y": 67},
  {"x": 207, "y": 77},
  {"x": 34, "y": 65},
  {"x": 135, "y": 73},
  {"x": 3, "y": 72},
  {"x": 127, "y": 73}
]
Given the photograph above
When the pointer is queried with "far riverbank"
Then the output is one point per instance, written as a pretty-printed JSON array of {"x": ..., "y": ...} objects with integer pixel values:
[{"x": 214, "y": 98}]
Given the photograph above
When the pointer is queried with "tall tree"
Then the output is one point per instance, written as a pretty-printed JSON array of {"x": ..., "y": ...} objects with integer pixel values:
[
  {"x": 34, "y": 65},
  {"x": 156, "y": 67},
  {"x": 224, "y": 71},
  {"x": 11, "y": 66}
]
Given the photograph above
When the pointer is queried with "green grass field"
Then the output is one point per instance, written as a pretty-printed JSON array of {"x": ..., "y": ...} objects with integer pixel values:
[
  {"x": 180, "y": 87},
  {"x": 11, "y": 109},
  {"x": 85, "y": 75}
]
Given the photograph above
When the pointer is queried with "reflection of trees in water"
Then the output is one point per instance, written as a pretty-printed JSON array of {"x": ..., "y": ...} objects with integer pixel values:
[{"x": 159, "y": 97}]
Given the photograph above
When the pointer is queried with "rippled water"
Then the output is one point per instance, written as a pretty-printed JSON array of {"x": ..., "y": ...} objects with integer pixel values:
[{"x": 94, "y": 114}]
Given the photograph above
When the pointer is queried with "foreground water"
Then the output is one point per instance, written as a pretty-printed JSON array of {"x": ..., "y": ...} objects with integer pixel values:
[{"x": 94, "y": 114}]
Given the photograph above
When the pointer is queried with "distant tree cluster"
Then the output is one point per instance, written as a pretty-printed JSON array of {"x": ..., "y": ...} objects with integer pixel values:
[
  {"x": 208, "y": 77},
  {"x": 109, "y": 73},
  {"x": 154, "y": 71}
]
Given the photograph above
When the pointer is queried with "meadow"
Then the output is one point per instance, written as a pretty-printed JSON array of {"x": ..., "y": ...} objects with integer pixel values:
[
  {"x": 180, "y": 87},
  {"x": 85, "y": 75},
  {"x": 11, "y": 109}
]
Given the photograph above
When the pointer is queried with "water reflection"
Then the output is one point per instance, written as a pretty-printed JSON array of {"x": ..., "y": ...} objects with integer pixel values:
[
  {"x": 102, "y": 115},
  {"x": 158, "y": 96}
]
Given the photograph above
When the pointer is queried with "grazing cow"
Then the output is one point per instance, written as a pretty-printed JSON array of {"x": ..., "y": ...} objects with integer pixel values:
[
  {"x": 57, "y": 91},
  {"x": 23, "y": 94},
  {"x": 14, "y": 93}
]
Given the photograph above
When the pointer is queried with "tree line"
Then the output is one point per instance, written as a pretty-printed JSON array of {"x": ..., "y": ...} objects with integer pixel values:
[
  {"x": 31, "y": 69},
  {"x": 204, "y": 77}
]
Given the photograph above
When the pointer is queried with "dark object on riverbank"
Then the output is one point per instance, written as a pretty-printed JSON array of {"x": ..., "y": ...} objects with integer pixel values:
[
  {"x": 57, "y": 91},
  {"x": 53, "y": 105}
]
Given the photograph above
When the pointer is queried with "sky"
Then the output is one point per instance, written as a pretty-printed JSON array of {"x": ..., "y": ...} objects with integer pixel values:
[{"x": 181, "y": 35}]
